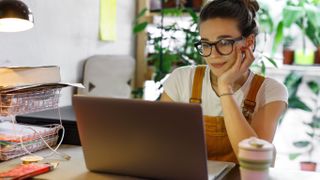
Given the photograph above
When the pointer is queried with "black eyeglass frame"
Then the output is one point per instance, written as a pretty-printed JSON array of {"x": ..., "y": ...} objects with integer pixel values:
[{"x": 232, "y": 41}]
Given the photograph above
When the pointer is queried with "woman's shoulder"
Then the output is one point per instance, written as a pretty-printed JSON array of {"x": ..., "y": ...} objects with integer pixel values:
[
  {"x": 273, "y": 90},
  {"x": 185, "y": 69},
  {"x": 274, "y": 83}
]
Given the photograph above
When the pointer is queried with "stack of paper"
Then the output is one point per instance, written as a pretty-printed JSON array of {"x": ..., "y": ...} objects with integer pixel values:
[
  {"x": 12, "y": 135},
  {"x": 30, "y": 89}
]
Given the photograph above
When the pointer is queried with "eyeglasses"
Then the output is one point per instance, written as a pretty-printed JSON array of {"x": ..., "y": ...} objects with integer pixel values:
[{"x": 223, "y": 46}]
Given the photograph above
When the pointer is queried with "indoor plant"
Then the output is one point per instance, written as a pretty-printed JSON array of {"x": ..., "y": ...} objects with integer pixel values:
[
  {"x": 304, "y": 14},
  {"x": 312, "y": 132},
  {"x": 293, "y": 81}
]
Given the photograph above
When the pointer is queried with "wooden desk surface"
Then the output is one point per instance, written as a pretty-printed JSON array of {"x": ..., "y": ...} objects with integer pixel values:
[{"x": 76, "y": 169}]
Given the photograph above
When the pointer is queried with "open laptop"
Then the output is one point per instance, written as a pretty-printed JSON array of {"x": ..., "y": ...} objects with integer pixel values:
[{"x": 157, "y": 140}]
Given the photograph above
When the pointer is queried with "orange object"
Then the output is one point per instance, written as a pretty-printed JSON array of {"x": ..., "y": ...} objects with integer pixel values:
[{"x": 25, "y": 171}]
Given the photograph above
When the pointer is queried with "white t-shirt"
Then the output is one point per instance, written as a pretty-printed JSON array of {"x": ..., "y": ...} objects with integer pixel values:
[{"x": 178, "y": 87}]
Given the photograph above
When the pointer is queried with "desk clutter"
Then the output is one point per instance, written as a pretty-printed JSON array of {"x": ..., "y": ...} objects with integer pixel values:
[
  {"x": 50, "y": 116},
  {"x": 25, "y": 90},
  {"x": 15, "y": 138}
]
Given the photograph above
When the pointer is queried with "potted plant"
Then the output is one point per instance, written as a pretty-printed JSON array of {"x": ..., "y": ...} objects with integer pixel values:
[
  {"x": 303, "y": 14},
  {"x": 313, "y": 137},
  {"x": 288, "y": 52}
]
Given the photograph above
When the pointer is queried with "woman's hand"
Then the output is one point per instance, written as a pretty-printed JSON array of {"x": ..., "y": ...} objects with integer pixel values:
[{"x": 241, "y": 66}]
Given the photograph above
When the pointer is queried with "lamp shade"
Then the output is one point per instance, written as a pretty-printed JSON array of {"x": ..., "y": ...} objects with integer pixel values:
[{"x": 15, "y": 16}]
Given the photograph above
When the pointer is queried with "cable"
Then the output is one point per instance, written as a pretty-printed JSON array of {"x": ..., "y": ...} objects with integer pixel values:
[{"x": 54, "y": 151}]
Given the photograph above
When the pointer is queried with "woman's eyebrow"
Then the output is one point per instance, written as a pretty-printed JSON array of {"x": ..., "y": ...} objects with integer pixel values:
[
  {"x": 219, "y": 37},
  {"x": 205, "y": 39},
  {"x": 224, "y": 36}
]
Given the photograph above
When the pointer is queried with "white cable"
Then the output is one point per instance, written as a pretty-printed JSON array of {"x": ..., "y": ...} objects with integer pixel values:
[{"x": 54, "y": 151}]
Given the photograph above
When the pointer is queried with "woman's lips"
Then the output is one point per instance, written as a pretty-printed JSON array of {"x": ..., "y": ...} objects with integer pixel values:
[{"x": 217, "y": 65}]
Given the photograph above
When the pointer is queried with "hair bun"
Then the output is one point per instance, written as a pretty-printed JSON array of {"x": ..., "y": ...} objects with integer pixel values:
[{"x": 252, "y": 5}]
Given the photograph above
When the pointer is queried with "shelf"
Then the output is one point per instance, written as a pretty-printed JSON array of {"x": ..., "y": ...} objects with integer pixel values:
[{"x": 307, "y": 70}]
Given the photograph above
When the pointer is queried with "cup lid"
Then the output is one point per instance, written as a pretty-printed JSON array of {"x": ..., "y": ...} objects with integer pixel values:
[{"x": 255, "y": 144}]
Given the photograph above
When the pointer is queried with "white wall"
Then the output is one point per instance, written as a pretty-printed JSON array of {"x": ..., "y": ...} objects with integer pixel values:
[{"x": 65, "y": 34}]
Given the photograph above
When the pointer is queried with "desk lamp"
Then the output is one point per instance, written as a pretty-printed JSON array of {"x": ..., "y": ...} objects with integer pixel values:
[{"x": 15, "y": 16}]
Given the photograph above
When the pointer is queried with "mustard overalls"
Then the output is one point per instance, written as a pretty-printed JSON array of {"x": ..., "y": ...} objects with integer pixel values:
[{"x": 217, "y": 141}]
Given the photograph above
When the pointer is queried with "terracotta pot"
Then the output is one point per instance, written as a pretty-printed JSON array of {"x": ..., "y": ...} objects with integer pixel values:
[
  {"x": 288, "y": 56},
  {"x": 317, "y": 56},
  {"x": 149, "y": 73},
  {"x": 308, "y": 166}
]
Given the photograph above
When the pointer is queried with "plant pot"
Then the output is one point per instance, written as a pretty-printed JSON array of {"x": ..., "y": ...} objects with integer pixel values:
[
  {"x": 317, "y": 56},
  {"x": 304, "y": 57},
  {"x": 288, "y": 56},
  {"x": 150, "y": 72},
  {"x": 308, "y": 166}
]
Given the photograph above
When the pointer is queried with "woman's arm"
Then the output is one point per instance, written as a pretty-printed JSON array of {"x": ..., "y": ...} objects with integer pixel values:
[{"x": 263, "y": 122}]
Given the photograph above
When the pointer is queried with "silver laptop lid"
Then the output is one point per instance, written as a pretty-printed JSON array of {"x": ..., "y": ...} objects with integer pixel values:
[{"x": 142, "y": 138}]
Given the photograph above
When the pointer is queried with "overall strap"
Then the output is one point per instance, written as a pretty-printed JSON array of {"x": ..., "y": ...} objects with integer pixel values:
[
  {"x": 250, "y": 102},
  {"x": 197, "y": 84}
]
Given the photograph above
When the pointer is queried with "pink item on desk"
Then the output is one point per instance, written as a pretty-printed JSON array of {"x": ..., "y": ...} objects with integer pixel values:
[
  {"x": 25, "y": 171},
  {"x": 255, "y": 158}
]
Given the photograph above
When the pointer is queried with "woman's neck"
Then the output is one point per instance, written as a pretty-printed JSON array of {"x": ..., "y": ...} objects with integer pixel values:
[{"x": 237, "y": 85}]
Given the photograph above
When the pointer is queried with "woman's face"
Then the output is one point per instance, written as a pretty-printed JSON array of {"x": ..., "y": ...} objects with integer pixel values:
[{"x": 216, "y": 29}]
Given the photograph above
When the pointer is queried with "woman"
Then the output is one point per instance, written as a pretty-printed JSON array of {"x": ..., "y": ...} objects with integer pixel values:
[{"x": 236, "y": 103}]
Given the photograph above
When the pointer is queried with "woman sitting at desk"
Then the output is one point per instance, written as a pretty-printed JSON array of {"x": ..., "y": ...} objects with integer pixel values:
[{"x": 236, "y": 103}]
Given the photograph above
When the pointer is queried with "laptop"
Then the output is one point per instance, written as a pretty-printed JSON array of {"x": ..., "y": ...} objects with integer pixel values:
[{"x": 147, "y": 139}]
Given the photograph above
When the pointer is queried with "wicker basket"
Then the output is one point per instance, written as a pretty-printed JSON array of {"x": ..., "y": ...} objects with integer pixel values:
[{"x": 29, "y": 100}]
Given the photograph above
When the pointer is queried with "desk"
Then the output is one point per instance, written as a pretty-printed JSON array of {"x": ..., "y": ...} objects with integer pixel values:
[{"x": 76, "y": 169}]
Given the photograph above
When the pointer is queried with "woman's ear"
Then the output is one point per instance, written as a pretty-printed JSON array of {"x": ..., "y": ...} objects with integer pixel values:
[{"x": 250, "y": 41}]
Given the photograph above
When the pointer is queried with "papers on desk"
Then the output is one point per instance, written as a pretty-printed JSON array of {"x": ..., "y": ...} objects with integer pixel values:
[
  {"x": 30, "y": 89},
  {"x": 218, "y": 169},
  {"x": 12, "y": 134}
]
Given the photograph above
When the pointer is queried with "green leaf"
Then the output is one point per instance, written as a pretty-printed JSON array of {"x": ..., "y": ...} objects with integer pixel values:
[
  {"x": 278, "y": 37},
  {"x": 296, "y": 103},
  {"x": 140, "y": 27},
  {"x": 301, "y": 144},
  {"x": 271, "y": 61},
  {"x": 313, "y": 15},
  {"x": 293, "y": 156},
  {"x": 312, "y": 33},
  {"x": 192, "y": 14},
  {"x": 310, "y": 134},
  {"x": 141, "y": 13},
  {"x": 293, "y": 81},
  {"x": 291, "y": 14},
  {"x": 314, "y": 87},
  {"x": 172, "y": 11},
  {"x": 314, "y": 124},
  {"x": 263, "y": 68}
]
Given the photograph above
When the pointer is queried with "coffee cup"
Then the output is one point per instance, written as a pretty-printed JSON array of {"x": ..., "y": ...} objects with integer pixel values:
[{"x": 255, "y": 157}]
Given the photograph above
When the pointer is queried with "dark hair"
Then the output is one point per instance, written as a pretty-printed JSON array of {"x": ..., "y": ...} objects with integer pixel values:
[{"x": 244, "y": 11}]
